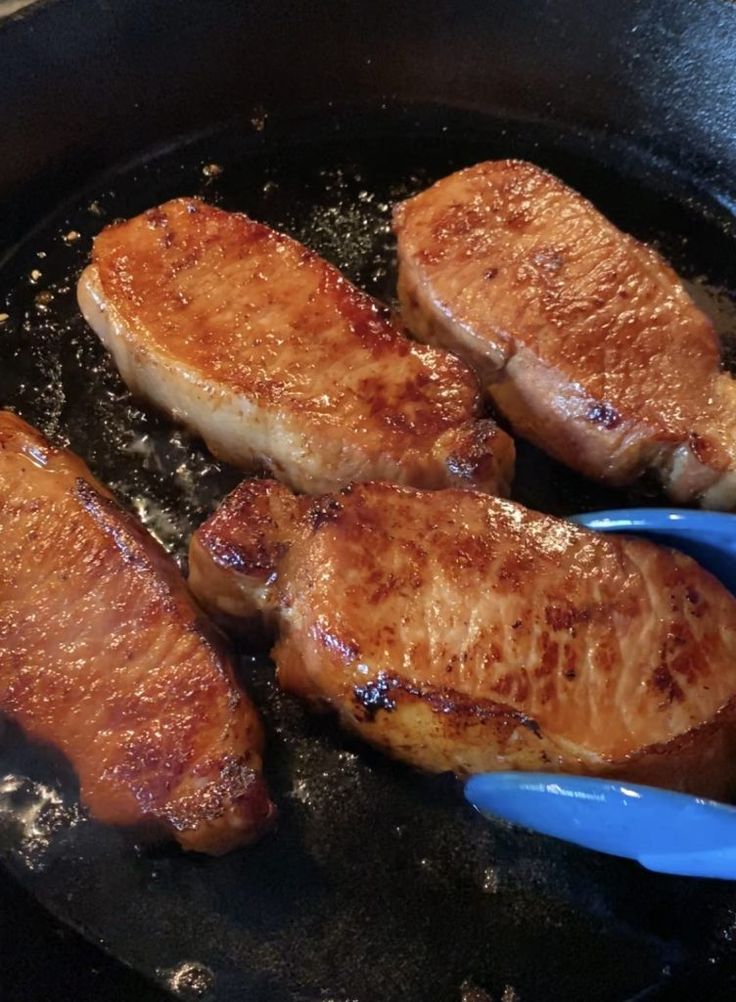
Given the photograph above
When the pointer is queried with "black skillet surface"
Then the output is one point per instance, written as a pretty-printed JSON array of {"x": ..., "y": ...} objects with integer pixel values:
[{"x": 379, "y": 883}]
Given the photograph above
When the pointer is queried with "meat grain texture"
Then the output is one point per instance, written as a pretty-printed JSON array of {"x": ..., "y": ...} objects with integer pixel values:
[
  {"x": 462, "y": 632},
  {"x": 105, "y": 656},
  {"x": 585, "y": 338},
  {"x": 277, "y": 361}
]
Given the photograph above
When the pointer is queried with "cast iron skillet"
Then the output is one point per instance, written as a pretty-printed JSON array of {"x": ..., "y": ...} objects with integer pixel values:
[{"x": 379, "y": 884}]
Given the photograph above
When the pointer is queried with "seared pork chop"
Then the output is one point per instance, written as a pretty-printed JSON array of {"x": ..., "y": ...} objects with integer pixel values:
[
  {"x": 104, "y": 654},
  {"x": 585, "y": 338},
  {"x": 276, "y": 360},
  {"x": 459, "y": 631}
]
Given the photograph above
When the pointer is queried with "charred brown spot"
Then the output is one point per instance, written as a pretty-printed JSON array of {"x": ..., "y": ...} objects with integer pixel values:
[
  {"x": 184, "y": 262},
  {"x": 698, "y": 445},
  {"x": 458, "y": 220},
  {"x": 382, "y": 587},
  {"x": 490, "y": 273},
  {"x": 550, "y": 656},
  {"x": 604, "y": 415},
  {"x": 430, "y": 255},
  {"x": 705, "y": 450},
  {"x": 157, "y": 218},
  {"x": 323, "y": 512},
  {"x": 663, "y": 681},
  {"x": 531, "y": 724},
  {"x": 558, "y": 618},
  {"x": 517, "y": 219},
  {"x": 474, "y": 458},
  {"x": 375, "y": 696},
  {"x": 513, "y": 684},
  {"x": 699, "y": 606},
  {"x": 547, "y": 693},
  {"x": 370, "y": 329},
  {"x": 256, "y": 560},
  {"x": 678, "y": 654},
  {"x": 503, "y": 684},
  {"x": 455, "y": 707},
  {"x": 512, "y": 572}
]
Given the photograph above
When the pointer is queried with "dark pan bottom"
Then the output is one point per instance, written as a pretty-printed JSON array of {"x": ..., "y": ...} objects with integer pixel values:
[{"x": 380, "y": 884}]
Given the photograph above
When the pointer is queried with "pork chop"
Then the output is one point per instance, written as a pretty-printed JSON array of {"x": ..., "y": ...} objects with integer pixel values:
[
  {"x": 276, "y": 360},
  {"x": 104, "y": 655},
  {"x": 462, "y": 632},
  {"x": 586, "y": 339}
]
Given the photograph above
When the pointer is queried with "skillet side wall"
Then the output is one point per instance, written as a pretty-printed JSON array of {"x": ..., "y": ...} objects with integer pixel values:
[{"x": 87, "y": 83}]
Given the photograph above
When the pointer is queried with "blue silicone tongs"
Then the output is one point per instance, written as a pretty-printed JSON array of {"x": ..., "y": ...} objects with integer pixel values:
[{"x": 664, "y": 831}]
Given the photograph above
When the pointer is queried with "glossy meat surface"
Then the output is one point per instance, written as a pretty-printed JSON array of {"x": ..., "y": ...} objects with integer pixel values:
[
  {"x": 586, "y": 339},
  {"x": 104, "y": 655},
  {"x": 276, "y": 360},
  {"x": 459, "y": 631}
]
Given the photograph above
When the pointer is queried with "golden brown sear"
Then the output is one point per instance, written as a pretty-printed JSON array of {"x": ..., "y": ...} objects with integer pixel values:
[
  {"x": 463, "y": 632},
  {"x": 585, "y": 338},
  {"x": 276, "y": 360},
  {"x": 104, "y": 655}
]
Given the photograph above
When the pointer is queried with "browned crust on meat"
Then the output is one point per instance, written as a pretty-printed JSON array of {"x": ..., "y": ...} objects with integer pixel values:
[
  {"x": 277, "y": 361},
  {"x": 125, "y": 676},
  {"x": 458, "y": 631},
  {"x": 477, "y": 455},
  {"x": 234, "y": 555},
  {"x": 586, "y": 339}
]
